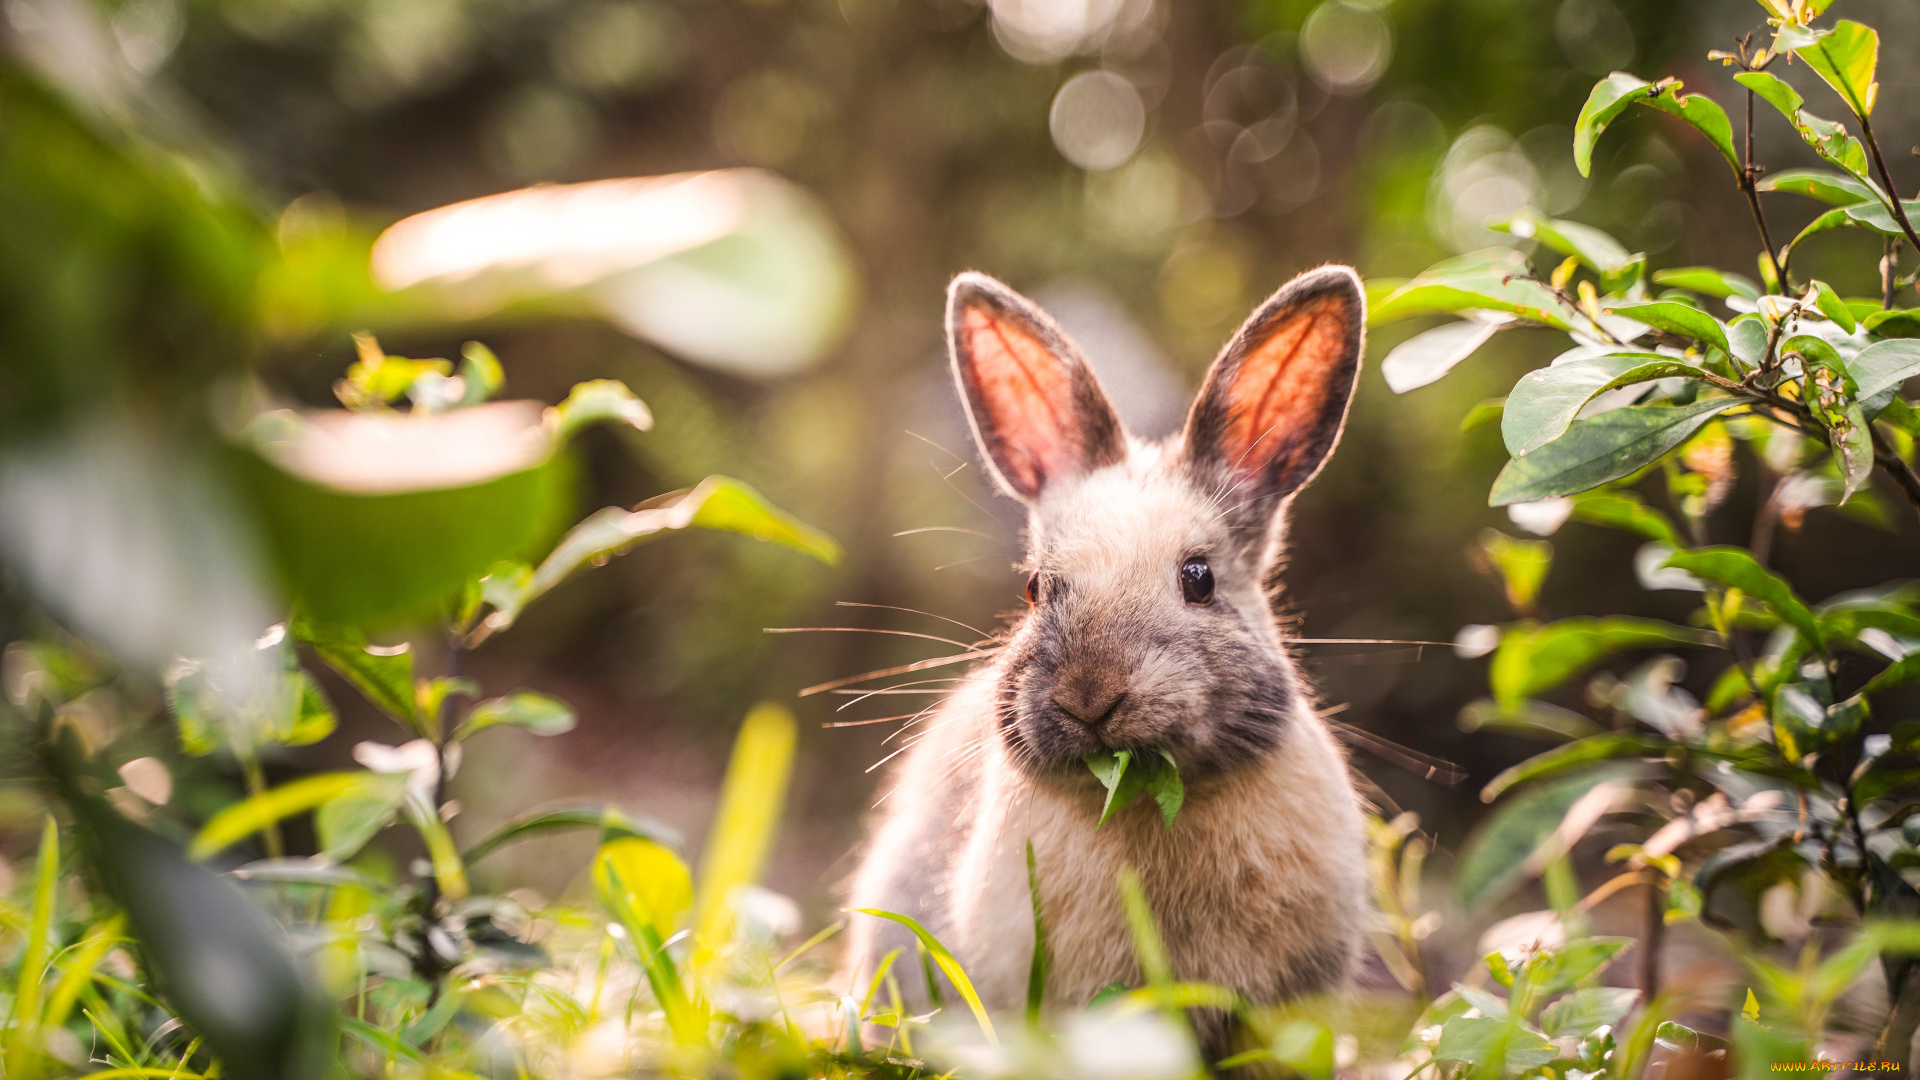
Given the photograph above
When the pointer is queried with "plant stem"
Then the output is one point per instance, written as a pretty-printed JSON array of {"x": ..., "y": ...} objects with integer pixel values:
[
  {"x": 1652, "y": 933},
  {"x": 256, "y": 778},
  {"x": 1893, "y": 193},
  {"x": 1895, "y": 466},
  {"x": 1896, "y": 1037},
  {"x": 1889, "y": 265},
  {"x": 1749, "y": 176}
]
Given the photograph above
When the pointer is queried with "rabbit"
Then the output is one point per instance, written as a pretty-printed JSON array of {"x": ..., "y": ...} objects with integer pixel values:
[{"x": 1150, "y": 626}]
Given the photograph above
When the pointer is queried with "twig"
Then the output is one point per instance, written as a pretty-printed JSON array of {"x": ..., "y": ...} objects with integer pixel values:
[
  {"x": 1749, "y": 177},
  {"x": 1893, "y": 193},
  {"x": 1895, "y": 466}
]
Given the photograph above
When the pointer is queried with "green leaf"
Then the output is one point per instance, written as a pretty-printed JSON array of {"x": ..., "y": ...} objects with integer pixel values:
[
  {"x": 346, "y": 822},
  {"x": 1879, "y": 370},
  {"x": 537, "y": 713},
  {"x": 1488, "y": 281},
  {"x": 1485, "y": 1041},
  {"x": 1425, "y": 357},
  {"x": 1900, "y": 673},
  {"x": 1844, "y": 56},
  {"x": 1600, "y": 252},
  {"x": 1677, "y": 318},
  {"x": 1837, "y": 218},
  {"x": 1706, "y": 279},
  {"x": 647, "y": 878},
  {"x": 1603, "y": 448},
  {"x": 1609, "y": 746},
  {"x": 1832, "y": 188},
  {"x": 1896, "y": 323},
  {"x": 1522, "y": 565},
  {"x": 597, "y": 401},
  {"x": 313, "y": 718},
  {"x": 1612, "y": 95},
  {"x": 612, "y": 822},
  {"x": 1828, "y": 139},
  {"x": 1577, "y": 962},
  {"x": 1832, "y": 306},
  {"x": 1878, "y": 217},
  {"x": 1584, "y": 1010},
  {"x": 1534, "y": 658},
  {"x": 1543, "y": 404},
  {"x": 1125, "y": 774},
  {"x": 252, "y": 814},
  {"x": 1852, "y": 439},
  {"x": 383, "y": 674},
  {"x": 719, "y": 502},
  {"x": 480, "y": 371},
  {"x": 449, "y": 873},
  {"x": 1626, "y": 510},
  {"x": 751, "y": 800},
  {"x": 1735, "y": 568},
  {"x": 948, "y": 965}
]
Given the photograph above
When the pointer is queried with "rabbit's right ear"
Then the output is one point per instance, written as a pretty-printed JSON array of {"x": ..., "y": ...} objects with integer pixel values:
[{"x": 1037, "y": 410}]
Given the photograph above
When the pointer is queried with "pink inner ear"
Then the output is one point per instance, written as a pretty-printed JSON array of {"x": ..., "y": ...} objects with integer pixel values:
[
  {"x": 1279, "y": 396},
  {"x": 1028, "y": 398}
]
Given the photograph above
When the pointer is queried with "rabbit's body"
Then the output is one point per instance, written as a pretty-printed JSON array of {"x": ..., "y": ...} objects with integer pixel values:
[{"x": 1151, "y": 629}]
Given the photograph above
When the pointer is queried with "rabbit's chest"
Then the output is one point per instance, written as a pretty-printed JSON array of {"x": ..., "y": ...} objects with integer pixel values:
[{"x": 1262, "y": 889}]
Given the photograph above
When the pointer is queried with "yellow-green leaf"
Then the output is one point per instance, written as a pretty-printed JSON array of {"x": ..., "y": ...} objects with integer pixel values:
[
  {"x": 657, "y": 886},
  {"x": 252, "y": 814}
]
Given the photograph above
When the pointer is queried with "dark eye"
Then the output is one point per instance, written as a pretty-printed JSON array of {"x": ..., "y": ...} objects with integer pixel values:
[
  {"x": 1196, "y": 581},
  {"x": 1033, "y": 588}
]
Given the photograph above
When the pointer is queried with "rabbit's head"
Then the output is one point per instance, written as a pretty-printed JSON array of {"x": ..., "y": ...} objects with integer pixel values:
[{"x": 1150, "y": 624}]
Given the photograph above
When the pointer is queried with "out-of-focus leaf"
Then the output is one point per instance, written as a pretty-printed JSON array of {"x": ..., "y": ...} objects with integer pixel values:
[
  {"x": 751, "y": 798},
  {"x": 1828, "y": 139},
  {"x": 612, "y": 822},
  {"x": 1733, "y": 879},
  {"x": 1534, "y": 658},
  {"x": 1497, "y": 857},
  {"x": 1832, "y": 188},
  {"x": 1626, "y": 510},
  {"x": 383, "y": 674},
  {"x": 537, "y": 713},
  {"x": 1611, "y": 97},
  {"x": 313, "y": 718},
  {"x": 719, "y": 502},
  {"x": 595, "y": 402},
  {"x": 1609, "y": 746},
  {"x": 346, "y": 822},
  {"x": 1600, "y": 252},
  {"x": 1521, "y": 564},
  {"x": 1900, "y": 673},
  {"x": 1602, "y": 448},
  {"x": 256, "y": 812},
  {"x": 1735, "y": 568},
  {"x": 220, "y": 960},
  {"x": 1486, "y": 1042},
  {"x": 1844, "y": 56},
  {"x": 657, "y": 886},
  {"x": 449, "y": 873},
  {"x": 1543, "y": 404},
  {"x": 360, "y": 559},
  {"x": 1584, "y": 1010},
  {"x": 1425, "y": 357},
  {"x": 1498, "y": 281},
  {"x": 1579, "y": 961},
  {"x": 1677, "y": 318},
  {"x": 480, "y": 372},
  {"x": 1709, "y": 280}
]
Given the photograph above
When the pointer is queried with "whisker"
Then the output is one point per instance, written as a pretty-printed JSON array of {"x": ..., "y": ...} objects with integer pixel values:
[
  {"x": 1422, "y": 765},
  {"x": 962, "y": 562},
  {"x": 948, "y": 528},
  {"x": 864, "y": 723},
  {"x": 918, "y": 665},
  {"x": 935, "y": 445},
  {"x": 862, "y": 630},
  {"x": 948, "y": 480},
  {"x": 1357, "y": 641},
  {"x": 915, "y": 611}
]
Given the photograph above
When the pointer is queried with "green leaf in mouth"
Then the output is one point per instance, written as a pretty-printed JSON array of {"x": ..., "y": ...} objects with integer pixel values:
[{"x": 1126, "y": 773}]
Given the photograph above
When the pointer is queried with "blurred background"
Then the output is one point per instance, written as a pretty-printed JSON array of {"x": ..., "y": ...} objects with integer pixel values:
[{"x": 189, "y": 191}]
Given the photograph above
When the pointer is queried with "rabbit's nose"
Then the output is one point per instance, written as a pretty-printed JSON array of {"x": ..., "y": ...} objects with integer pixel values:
[{"x": 1089, "y": 700}]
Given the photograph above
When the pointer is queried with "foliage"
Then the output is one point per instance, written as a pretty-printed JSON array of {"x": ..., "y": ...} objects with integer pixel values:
[{"x": 1793, "y": 781}]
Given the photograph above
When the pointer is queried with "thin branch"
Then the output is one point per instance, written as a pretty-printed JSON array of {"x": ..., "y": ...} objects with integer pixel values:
[
  {"x": 1895, "y": 466},
  {"x": 1893, "y": 193},
  {"x": 1749, "y": 178}
]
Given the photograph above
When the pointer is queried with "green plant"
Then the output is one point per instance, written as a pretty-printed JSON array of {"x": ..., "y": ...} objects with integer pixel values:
[{"x": 1795, "y": 777}]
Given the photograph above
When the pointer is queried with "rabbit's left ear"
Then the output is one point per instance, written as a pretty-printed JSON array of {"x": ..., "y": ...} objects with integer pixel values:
[{"x": 1274, "y": 403}]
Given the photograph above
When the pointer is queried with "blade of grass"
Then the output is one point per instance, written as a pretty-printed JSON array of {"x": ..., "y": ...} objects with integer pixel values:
[
  {"x": 948, "y": 965},
  {"x": 1037, "y": 971},
  {"x": 751, "y": 800},
  {"x": 25, "y": 1039},
  {"x": 79, "y": 970}
]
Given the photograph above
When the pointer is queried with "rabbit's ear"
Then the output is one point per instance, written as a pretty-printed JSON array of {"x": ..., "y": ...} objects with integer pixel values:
[
  {"x": 1273, "y": 405},
  {"x": 1037, "y": 410}
]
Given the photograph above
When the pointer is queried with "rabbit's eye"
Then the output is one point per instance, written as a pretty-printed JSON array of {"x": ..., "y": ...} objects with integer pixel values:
[
  {"x": 1196, "y": 581},
  {"x": 1033, "y": 588}
]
